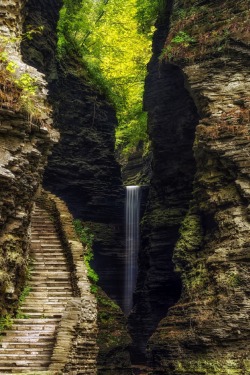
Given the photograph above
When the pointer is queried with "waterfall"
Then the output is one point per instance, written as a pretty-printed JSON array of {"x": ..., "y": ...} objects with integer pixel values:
[{"x": 132, "y": 244}]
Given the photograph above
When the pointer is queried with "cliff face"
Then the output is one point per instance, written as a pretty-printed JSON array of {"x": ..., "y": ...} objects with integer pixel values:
[
  {"x": 207, "y": 331},
  {"x": 82, "y": 169},
  {"x": 172, "y": 121},
  {"x": 26, "y": 138}
]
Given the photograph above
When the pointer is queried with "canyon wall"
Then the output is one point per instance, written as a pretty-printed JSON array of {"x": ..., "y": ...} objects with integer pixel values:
[
  {"x": 26, "y": 137},
  {"x": 172, "y": 118},
  {"x": 82, "y": 169},
  {"x": 207, "y": 331}
]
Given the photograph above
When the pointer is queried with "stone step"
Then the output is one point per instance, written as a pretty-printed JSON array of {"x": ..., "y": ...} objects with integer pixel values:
[
  {"x": 39, "y": 282},
  {"x": 49, "y": 256},
  {"x": 49, "y": 274},
  {"x": 46, "y": 232},
  {"x": 40, "y": 248},
  {"x": 37, "y": 226},
  {"x": 55, "y": 294},
  {"x": 47, "y": 239},
  {"x": 12, "y": 370},
  {"x": 52, "y": 306},
  {"x": 40, "y": 350},
  {"x": 39, "y": 356},
  {"x": 28, "y": 346},
  {"x": 47, "y": 314},
  {"x": 50, "y": 288},
  {"x": 30, "y": 339},
  {"x": 50, "y": 268},
  {"x": 43, "y": 270},
  {"x": 50, "y": 264},
  {"x": 43, "y": 260},
  {"x": 43, "y": 310},
  {"x": 46, "y": 299},
  {"x": 24, "y": 333},
  {"x": 33, "y": 322}
]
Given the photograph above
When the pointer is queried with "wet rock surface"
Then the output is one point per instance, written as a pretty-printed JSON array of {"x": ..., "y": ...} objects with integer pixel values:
[
  {"x": 207, "y": 331},
  {"x": 172, "y": 121}
]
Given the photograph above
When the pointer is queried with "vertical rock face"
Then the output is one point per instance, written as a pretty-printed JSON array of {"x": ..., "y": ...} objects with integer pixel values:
[
  {"x": 172, "y": 121},
  {"x": 82, "y": 169},
  {"x": 25, "y": 140},
  {"x": 207, "y": 331}
]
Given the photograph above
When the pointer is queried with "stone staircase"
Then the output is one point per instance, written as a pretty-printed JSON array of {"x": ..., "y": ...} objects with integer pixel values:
[{"x": 28, "y": 345}]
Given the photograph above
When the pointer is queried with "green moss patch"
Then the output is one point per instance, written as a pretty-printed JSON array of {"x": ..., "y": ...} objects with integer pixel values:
[
  {"x": 160, "y": 217},
  {"x": 191, "y": 234}
]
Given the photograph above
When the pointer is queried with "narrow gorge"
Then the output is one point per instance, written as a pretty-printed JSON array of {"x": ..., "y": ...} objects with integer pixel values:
[{"x": 69, "y": 146}]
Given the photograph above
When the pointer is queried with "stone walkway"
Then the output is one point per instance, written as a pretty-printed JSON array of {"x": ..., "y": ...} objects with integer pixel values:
[{"x": 28, "y": 346}]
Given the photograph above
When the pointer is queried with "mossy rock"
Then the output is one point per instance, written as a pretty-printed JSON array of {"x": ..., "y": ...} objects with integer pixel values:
[
  {"x": 103, "y": 233},
  {"x": 191, "y": 234},
  {"x": 215, "y": 366},
  {"x": 113, "y": 339},
  {"x": 160, "y": 217}
]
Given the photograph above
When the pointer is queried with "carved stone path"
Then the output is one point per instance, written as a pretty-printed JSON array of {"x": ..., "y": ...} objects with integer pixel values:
[{"x": 28, "y": 346}]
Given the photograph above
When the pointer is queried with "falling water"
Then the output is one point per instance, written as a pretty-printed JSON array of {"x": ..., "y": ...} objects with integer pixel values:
[{"x": 132, "y": 243}]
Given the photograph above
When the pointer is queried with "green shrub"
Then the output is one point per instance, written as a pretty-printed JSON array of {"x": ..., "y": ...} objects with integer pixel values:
[{"x": 86, "y": 237}]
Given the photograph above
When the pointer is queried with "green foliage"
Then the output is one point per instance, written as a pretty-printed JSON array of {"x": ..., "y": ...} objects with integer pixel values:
[
  {"x": 106, "y": 36},
  {"x": 11, "y": 67},
  {"x": 17, "y": 91},
  {"x": 147, "y": 13},
  {"x": 27, "y": 83},
  {"x": 6, "y": 322},
  {"x": 29, "y": 34},
  {"x": 86, "y": 237},
  {"x": 182, "y": 38},
  {"x": 191, "y": 234},
  {"x": 180, "y": 41},
  {"x": 24, "y": 294},
  {"x": 212, "y": 27}
]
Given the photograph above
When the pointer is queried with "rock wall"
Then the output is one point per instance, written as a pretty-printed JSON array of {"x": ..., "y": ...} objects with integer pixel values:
[
  {"x": 207, "y": 331},
  {"x": 172, "y": 120},
  {"x": 113, "y": 339},
  {"x": 26, "y": 138},
  {"x": 82, "y": 169}
]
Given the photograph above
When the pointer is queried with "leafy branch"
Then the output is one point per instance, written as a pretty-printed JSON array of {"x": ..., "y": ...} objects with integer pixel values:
[{"x": 86, "y": 237}]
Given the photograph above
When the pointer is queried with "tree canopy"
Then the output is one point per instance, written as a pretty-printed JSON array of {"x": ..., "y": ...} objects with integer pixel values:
[{"x": 113, "y": 39}]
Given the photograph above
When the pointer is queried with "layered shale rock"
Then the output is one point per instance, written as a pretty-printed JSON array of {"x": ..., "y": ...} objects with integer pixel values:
[
  {"x": 82, "y": 169},
  {"x": 207, "y": 331},
  {"x": 113, "y": 339},
  {"x": 172, "y": 121},
  {"x": 26, "y": 138}
]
